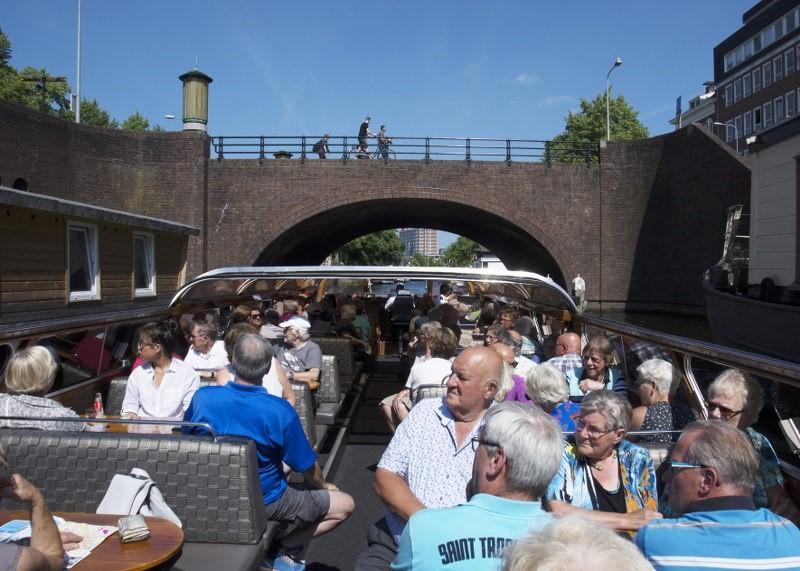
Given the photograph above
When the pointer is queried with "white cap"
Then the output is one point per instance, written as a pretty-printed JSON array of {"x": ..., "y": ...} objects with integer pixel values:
[{"x": 297, "y": 323}]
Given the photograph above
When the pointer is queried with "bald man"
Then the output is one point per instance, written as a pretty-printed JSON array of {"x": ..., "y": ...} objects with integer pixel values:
[
  {"x": 428, "y": 463},
  {"x": 568, "y": 353}
]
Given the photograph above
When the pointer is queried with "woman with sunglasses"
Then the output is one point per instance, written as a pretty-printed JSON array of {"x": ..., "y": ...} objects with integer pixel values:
[
  {"x": 602, "y": 476},
  {"x": 736, "y": 398},
  {"x": 163, "y": 386}
]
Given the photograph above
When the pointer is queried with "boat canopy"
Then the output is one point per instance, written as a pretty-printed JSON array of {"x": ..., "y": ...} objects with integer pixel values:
[{"x": 240, "y": 283}]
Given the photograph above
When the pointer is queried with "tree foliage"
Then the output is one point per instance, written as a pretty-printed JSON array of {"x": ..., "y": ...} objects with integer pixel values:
[
  {"x": 382, "y": 248},
  {"x": 93, "y": 114},
  {"x": 420, "y": 260},
  {"x": 136, "y": 122},
  {"x": 459, "y": 254},
  {"x": 588, "y": 126}
]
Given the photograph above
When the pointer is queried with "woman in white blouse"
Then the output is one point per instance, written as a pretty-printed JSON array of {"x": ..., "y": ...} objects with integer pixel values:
[{"x": 163, "y": 386}]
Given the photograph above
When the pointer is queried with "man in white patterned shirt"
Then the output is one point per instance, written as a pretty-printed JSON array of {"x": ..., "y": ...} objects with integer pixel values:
[
  {"x": 428, "y": 463},
  {"x": 568, "y": 353}
]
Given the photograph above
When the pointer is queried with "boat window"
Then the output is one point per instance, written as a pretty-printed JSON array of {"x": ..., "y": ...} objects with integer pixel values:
[
  {"x": 144, "y": 265},
  {"x": 84, "y": 282},
  {"x": 81, "y": 356}
]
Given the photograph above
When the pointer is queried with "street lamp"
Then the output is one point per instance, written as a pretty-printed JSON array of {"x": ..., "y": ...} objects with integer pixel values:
[
  {"x": 617, "y": 63},
  {"x": 735, "y": 131}
]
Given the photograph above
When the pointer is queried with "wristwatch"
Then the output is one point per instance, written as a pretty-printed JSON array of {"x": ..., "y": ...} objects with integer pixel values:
[{"x": 291, "y": 375}]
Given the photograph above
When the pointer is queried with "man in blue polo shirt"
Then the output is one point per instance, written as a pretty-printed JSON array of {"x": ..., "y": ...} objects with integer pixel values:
[
  {"x": 244, "y": 408},
  {"x": 710, "y": 477},
  {"x": 517, "y": 453}
]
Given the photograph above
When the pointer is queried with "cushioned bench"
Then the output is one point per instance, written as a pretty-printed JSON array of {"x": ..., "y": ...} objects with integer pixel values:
[
  {"x": 305, "y": 410},
  {"x": 342, "y": 349},
  {"x": 213, "y": 487},
  {"x": 329, "y": 392},
  {"x": 429, "y": 392}
]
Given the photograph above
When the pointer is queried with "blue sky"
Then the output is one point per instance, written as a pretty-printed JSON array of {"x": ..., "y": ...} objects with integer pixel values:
[{"x": 504, "y": 69}]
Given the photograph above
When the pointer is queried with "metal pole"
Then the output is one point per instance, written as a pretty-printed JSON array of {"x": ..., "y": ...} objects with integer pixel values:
[
  {"x": 617, "y": 63},
  {"x": 78, "y": 78}
]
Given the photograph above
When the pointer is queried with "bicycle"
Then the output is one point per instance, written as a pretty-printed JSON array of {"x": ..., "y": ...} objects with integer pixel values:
[{"x": 384, "y": 151}]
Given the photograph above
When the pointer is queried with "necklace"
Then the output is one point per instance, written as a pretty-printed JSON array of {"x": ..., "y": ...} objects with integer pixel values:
[{"x": 598, "y": 466}]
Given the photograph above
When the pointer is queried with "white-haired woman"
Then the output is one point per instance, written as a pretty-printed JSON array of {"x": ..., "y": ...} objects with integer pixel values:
[
  {"x": 602, "y": 476},
  {"x": 547, "y": 388},
  {"x": 736, "y": 398},
  {"x": 657, "y": 381},
  {"x": 29, "y": 376}
]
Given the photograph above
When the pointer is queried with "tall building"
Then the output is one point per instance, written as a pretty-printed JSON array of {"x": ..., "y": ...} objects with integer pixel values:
[
  {"x": 702, "y": 109},
  {"x": 420, "y": 240},
  {"x": 757, "y": 70}
]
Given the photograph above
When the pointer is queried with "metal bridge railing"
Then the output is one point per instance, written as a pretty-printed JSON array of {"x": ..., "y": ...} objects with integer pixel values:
[{"x": 416, "y": 148}]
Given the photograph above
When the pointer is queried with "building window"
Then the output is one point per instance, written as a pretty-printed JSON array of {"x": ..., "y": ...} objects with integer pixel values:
[
  {"x": 748, "y": 123},
  {"x": 82, "y": 261},
  {"x": 778, "y": 26},
  {"x": 729, "y": 63},
  {"x": 779, "y": 111},
  {"x": 756, "y": 79},
  {"x": 737, "y": 90},
  {"x": 777, "y": 68},
  {"x": 747, "y": 86},
  {"x": 767, "y": 118},
  {"x": 144, "y": 265},
  {"x": 738, "y": 124},
  {"x": 790, "y": 21},
  {"x": 756, "y": 119},
  {"x": 728, "y": 95},
  {"x": 788, "y": 61},
  {"x": 790, "y": 100},
  {"x": 767, "y": 71},
  {"x": 729, "y": 131}
]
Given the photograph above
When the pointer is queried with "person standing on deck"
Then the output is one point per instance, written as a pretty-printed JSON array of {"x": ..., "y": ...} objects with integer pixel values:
[
  {"x": 243, "y": 408},
  {"x": 428, "y": 462}
]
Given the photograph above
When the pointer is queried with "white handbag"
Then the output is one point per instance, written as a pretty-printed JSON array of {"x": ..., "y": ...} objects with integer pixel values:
[{"x": 136, "y": 493}]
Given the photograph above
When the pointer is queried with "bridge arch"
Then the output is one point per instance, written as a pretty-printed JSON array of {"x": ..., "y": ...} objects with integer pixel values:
[{"x": 316, "y": 233}]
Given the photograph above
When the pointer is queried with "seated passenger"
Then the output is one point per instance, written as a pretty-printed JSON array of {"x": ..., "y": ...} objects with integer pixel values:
[
  {"x": 271, "y": 328},
  {"x": 710, "y": 476},
  {"x": 547, "y": 388},
  {"x": 531, "y": 348},
  {"x": 736, "y": 398},
  {"x": 275, "y": 381},
  {"x": 516, "y": 455},
  {"x": 657, "y": 382},
  {"x": 300, "y": 357},
  {"x": 207, "y": 354},
  {"x": 574, "y": 543},
  {"x": 29, "y": 376},
  {"x": 596, "y": 373},
  {"x": 568, "y": 353},
  {"x": 346, "y": 327},
  {"x": 361, "y": 321},
  {"x": 432, "y": 446},
  {"x": 512, "y": 388},
  {"x": 163, "y": 386},
  {"x": 243, "y": 408},
  {"x": 603, "y": 477}
]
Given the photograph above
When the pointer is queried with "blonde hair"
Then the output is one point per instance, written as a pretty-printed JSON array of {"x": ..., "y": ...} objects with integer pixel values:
[
  {"x": 31, "y": 371},
  {"x": 733, "y": 382}
]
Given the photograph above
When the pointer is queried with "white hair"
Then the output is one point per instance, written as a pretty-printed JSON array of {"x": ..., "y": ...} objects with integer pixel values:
[
  {"x": 733, "y": 382},
  {"x": 506, "y": 383},
  {"x": 547, "y": 386},
  {"x": 573, "y": 543},
  {"x": 532, "y": 442},
  {"x": 659, "y": 372}
]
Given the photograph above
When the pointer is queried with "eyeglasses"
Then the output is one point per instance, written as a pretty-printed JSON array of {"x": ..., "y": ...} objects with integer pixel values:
[
  {"x": 673, "y": 465},
  {"x": 725, "y": 412},
  {"x": 593, "y": 432},
  {"x": 478, "y": 440},
  {"x": 491, "y": 339},
  {"x": 141, "y": 345},
  {"x": 256, "y": 316},
  {"x": 197, "y": 336}
]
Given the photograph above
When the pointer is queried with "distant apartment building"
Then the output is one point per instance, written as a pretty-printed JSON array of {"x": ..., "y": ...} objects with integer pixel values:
[
  {"x": 702, "y": 109},
  {"x": 420, "y": 240},
  {"x": 757, "y": 71}
]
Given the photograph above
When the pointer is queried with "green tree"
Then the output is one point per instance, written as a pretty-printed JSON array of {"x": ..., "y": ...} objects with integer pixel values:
[
  {"x": 136, "y": 122},
  {"x": 93, "y": 114},
  {"x": 460, "y": 253},
  {"x": 5, "y": 49},
  {"x": 419, "y": 259},
  {"x": 382, "y": 248},
  {"x": 588, "y": 128}
]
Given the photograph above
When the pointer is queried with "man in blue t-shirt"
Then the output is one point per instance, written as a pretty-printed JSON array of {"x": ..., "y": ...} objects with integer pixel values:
[
  {"x": 710, "y": 477},
  {"x": 517, "y": 453},
  {"x": 244, "y": 408}
]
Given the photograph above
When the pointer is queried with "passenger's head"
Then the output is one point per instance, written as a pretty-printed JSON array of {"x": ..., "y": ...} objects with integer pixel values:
[
  {"x": 524, "y": 326},
  {"x": 508, "y": 317},
  {"x": 492, "y": 335},
  {"x": 568, "y": 343},
  {"x": 602, "y": 423},
  {"x": 474, "y": 382},
  {"x": 348, "y": 312},
  {"x": 240, "y": 314},
  {"x": 546, "y": 386},
  {"x": 710, "y": 460},
  {"x": 235, "y": 333},
  {"x": 516, "y": 340},
  {"x": 155, "y": 339},
  {"x": 272, "y": 317},
  {"x": 442, "y": 343},
  {"x": 598, "y": 355},
  {"x": 252, "y": 357},
  {"x": 445, "y": 289},
  {"x": 656, "y": 380},
  {"x": 291, "y": 306},
  {"x": 735, "y": 397},
  {"x": 204, "y": 335},
  {"x": 573, "y": 543},
  {"x": 31, "y": 371},
  {"x": 519, "y": 450},
  {"x": 296, "y": 331}
]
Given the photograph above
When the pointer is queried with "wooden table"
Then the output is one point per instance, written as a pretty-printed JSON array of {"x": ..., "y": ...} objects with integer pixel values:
[{"x": 164, "y": 543}]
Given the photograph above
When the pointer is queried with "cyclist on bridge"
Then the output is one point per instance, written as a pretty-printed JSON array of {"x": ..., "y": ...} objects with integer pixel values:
[
  {"x": 363, "y": 133},
  {"x": 383, "y": 143}
]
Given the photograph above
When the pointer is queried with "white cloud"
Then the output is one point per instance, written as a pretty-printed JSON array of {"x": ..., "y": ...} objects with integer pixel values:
[
  {"x": 557, "y": 100},
  {"x": 526, "y": 79}
]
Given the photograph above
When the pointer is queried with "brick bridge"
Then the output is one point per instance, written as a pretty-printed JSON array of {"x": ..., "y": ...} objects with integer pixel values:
[{"x": 641, "y": 225}]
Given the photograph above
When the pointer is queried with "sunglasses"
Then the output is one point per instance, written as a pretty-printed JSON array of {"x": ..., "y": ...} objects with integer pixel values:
[{"x": 725, "y": 412}]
